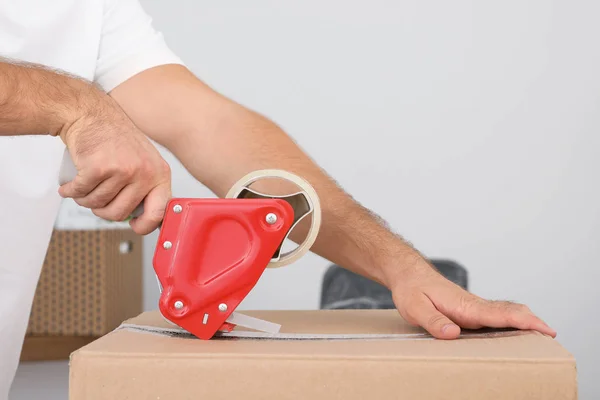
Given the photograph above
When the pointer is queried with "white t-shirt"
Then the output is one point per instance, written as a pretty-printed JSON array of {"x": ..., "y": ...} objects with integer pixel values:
[{"x": 106, "y": 41}]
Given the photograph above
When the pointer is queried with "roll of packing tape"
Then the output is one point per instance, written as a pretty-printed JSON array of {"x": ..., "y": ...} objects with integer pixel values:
[{"x": 311, "y": 198}]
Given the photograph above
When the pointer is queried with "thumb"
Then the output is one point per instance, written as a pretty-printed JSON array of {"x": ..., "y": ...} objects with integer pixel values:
[{"x": 420, "y": 310}]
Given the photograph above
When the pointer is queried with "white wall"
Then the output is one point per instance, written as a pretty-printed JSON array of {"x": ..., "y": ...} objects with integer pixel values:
[{"x": 472, "y": 127}]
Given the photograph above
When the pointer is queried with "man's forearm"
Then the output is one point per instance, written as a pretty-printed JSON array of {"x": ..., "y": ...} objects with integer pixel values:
[
  {"x": 219, "y": 141},
  {"x": 350, "y": 235},
  {"x": 35, "y": 100}
]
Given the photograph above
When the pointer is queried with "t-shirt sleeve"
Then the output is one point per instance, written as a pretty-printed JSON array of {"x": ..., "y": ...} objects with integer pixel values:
[{"x": 129, "y": 44}]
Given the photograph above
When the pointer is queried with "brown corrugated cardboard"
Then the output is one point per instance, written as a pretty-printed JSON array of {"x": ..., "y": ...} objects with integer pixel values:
[
  {"x": 90, "y": 282},
  {"x": 129, "y": 364}
]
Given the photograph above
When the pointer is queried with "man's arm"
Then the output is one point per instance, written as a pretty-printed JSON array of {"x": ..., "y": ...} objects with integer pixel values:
[
  {"x": 219, "y": 141},
  {"x": 118, "y": 167},
  {"x": 35, "y": 100}
]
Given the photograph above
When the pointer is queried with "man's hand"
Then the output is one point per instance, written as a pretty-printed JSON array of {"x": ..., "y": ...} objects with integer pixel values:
[
  {"x": 219, "y": 141},
  {"x": 118, "y": 167},
  {"x": 425, "y": 298}
]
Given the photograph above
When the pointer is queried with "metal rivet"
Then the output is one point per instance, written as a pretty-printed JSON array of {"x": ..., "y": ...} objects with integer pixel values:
[
  {"x": 167, "y": 245},
  {"x": 222, "y": 307},
  {"x": 177, "y": 208},
  {"x": 179, "y": 304},
  {"x": 271, "y": 218}
]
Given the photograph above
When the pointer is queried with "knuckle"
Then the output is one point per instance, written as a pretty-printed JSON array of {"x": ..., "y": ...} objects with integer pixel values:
[
  {"x": 118, "y": 171},
  {"x": 156, "y": 214},
  {"x": 117, "y": 214},
  {"x": 79, "y": 190},
  {"x": 436, "y": 319},
  {"x": 128, "y": 171},
  {"x": 109, "y": 195},
  {"x": 466, "y": 304},
  {"x": 75, "y": 192},
  {"x": 92, "y": 203},
  {"x": 145, "y": 167},
  {"x": 99, "y": 171},
  {"x": 100, "y": 201}
]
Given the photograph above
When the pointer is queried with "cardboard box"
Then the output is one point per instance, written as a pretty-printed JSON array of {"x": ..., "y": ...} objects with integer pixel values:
[{"x": 401, "y": 363}]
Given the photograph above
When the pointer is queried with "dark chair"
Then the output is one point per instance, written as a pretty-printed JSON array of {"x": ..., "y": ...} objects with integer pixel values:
[{"x": 343, "y": 289}]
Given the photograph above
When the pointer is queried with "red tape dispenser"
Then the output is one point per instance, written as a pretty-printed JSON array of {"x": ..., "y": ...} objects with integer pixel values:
[{"x": 212, "y": 252}]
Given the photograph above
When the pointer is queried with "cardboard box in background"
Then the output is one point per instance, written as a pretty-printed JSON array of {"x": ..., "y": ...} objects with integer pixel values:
[
  {"x": 91, "y": 281},
  {"x": 135, "y": 365}
]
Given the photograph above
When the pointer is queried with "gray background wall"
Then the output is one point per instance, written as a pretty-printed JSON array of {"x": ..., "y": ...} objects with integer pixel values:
[{"x": 472, "y": 127}]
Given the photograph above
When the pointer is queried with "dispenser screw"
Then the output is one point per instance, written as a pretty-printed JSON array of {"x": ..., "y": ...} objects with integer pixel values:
[
  {"x": 167, "y": 245},
  {"x": 222, "y": 307},
  {"x": 177, "y": 208},
  {"x": 271, "y": 218},
  {"x": 179, "y": 304}
]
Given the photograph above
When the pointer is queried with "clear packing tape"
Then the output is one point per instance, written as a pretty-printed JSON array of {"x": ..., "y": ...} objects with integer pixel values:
[{"x": 487, "y": 333}]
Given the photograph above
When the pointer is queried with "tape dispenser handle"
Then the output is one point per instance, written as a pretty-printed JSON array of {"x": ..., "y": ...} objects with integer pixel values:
[{"x": 68, "y": 172}]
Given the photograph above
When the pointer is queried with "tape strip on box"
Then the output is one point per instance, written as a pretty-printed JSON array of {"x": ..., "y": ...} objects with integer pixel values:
[{"x": 182, "y": 333}]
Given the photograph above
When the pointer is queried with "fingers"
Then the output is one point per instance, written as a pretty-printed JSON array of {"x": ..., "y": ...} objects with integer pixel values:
[
  {"x": 102, "y": 194},
  {"x": 154, "y": 210},
  {"x": 472, "y": 312},
  {"x": 80, "y": 186},
  {"x": 442, "y": 308},
  {"x": 111, "y": 201},
  {"x": 96, "y": 186},
  {"x": 114, "y": 193},
  {"x": 420, "y": 310},
  {"x": 504, "y": 314},
  {"x": 121, "y": 207},
  {"x": 108, "y": 201}
]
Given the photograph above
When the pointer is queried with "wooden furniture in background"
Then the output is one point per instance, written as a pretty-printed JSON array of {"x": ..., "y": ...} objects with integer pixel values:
[{"x": 91, "y": 281}]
